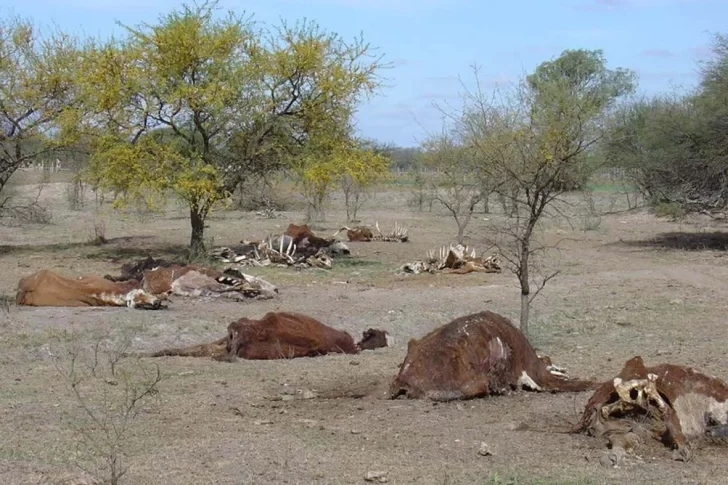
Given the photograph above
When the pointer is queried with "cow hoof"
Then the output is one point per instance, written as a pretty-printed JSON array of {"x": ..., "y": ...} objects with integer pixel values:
[
  {"x": 682, "y": 453},
  {"x": 612, "y": 458}
]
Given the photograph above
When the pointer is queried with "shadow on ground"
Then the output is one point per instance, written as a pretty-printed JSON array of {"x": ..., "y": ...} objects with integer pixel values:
[
  {"x": 114, "y": 250},
  {"x": 685, "y": 241}
]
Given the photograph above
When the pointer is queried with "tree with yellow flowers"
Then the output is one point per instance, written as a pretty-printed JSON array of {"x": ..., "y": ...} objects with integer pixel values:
[
  {"x": 354, "y": 168},
  {"x": 38, "y": 94},
  {"x": 362, "y": 168},
  {"x": 197, "y": 103}
]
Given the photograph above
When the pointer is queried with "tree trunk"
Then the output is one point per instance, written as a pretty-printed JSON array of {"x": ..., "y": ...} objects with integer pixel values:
[
  {"x": 525, "y": 293},
  {"x": 197, "y": 241},
  {"x": 355, "y": 209},
  {"x": 461, "y": 231},
  {"x": 347, "y": 202},
  {"x": 523, "y": 275},
  {"x": 7, "y": 168},
  {"x": 525, "y": 308}
]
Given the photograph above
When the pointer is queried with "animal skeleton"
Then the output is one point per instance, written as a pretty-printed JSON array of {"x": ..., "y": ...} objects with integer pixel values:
[
  {"x": 398, "y": 235},
  {"x": 279, "y": 250},
  {"x": 457, "y": 259}
]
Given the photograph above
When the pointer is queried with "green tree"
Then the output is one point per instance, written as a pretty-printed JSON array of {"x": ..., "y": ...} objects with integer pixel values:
[
  {"x": 675, "y": 146},
  {"x": 196, "y": 104},
  {"x": 536, "y": 140},
  {"x": 38, "y": 79}
]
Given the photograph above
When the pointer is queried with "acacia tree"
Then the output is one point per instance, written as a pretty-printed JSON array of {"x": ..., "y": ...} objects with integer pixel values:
[
  {"x": 37, "y": 94},
  {"x": 354, "y": 167},
  {"x": 233, "y": 101},
  {"x": 536, "y": 142},
  {"x": 361, "y": 169},
  {"x": 457, "y": 182}
]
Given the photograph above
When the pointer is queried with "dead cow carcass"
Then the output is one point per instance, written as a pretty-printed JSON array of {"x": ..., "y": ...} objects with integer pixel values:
[
  {"x": 475, "y": 356},
  {"x": 365, "y": 234},
  {"x": 308, "y": 243},
  {"x": 671, "y": 403},
  {"x": 193, "y": 280},
  {"x": 281, "y": 335},
  {"x": 457, "y": 259},
  {"x": 47, "y": 288}
]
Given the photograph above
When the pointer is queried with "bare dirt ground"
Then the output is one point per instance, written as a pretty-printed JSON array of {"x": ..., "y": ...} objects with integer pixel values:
[{"x": 634, "y": 284}]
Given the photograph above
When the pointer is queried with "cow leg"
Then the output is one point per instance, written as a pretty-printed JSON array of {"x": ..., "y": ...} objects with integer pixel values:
[{"x": 682, "y": 450}]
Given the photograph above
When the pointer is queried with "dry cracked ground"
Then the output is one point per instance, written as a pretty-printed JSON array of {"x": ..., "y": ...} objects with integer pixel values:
[{"x": 630, "y": 284}]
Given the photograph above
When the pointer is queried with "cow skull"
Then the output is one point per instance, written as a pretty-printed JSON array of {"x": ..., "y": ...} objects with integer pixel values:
[
  {"x": 636, "y": 393},
  {"x": 338, "y": 247},
  {"x": 319, "y": 260}
]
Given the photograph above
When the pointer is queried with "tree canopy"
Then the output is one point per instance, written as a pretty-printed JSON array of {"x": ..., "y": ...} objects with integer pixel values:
[
  {"x": 533, "y": 141},
  {"x": 197, "y": 103},
  {"x": 38, "y": 93}
]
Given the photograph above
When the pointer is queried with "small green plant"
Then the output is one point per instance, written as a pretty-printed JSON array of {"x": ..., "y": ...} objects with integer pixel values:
[{"x": 670, "y": 210}]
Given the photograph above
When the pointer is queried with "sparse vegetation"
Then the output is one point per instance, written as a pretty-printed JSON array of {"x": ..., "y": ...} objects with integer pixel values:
[
  {"x": 97, "y": 236},
  {"x": 111, "y": 390},
  {"x": 200, "y": 111},
  {"x": 455, "y": 180},
  {"x": 536, "y": 141}
]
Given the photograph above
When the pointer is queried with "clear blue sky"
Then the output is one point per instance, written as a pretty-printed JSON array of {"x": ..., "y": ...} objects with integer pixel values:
[{"x": 432, "y": 42}]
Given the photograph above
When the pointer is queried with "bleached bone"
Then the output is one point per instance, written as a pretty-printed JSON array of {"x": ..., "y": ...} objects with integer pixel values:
[{"x": 646, "y": 393}]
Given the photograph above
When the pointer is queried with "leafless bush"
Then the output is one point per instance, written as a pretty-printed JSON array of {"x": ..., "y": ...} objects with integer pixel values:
[
  {"x": 111, "y": 391},
  {"x": 263, "y": 194},
  {"x": 590, "y": 217},
  {"x": 76, "y": 194},
  {"x": 97, "y": 235},
  {"x": 421, "y": 192},
  {"x": 355, "y": 195},
  {"x": 17, "y": 211},
  {"x": 18, "y": 214}
]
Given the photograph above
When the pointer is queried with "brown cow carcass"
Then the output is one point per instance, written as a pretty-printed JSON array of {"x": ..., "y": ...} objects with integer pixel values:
[
  {"x": 134, "y": 270},
  {"x": 671, "y": 403},
  {"x": 365, "y": 234},
  {"x": 193, "y": 280},
  {"x": 47, "y": 288},
  {"x": 307, "y": 242},
  {"x": 474, "y": 356},
  {"x": 138, "y": 287},
  {"x": 357, "y": 234},
  {"x": 281, "y": 335}
]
